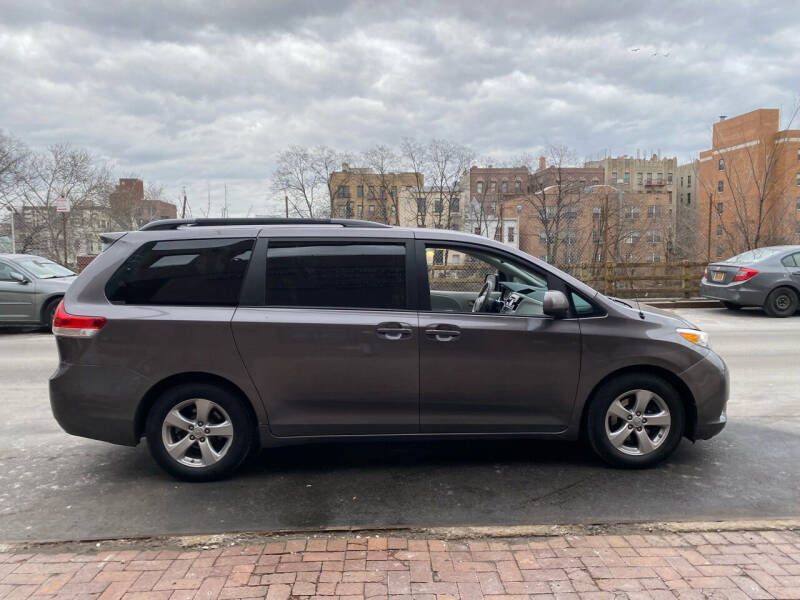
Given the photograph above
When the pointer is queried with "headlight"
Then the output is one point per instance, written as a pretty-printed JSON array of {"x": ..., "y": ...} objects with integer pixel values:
[{"x": 695, "y": 336}]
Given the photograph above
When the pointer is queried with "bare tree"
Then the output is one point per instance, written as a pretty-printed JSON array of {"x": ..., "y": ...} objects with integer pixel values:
[
  {"x": 448, "y": 162},
  {"x": 13, "y": 156},
  {"x": 62, "y": 171},
  {"x": 384, "y": 162},
  {"x": 415, "y": 156},
  {"x": 297, "y": 178}
]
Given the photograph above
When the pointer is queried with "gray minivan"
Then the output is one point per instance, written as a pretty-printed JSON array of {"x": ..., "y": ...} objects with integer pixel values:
[{"x": 215, "y": 337}]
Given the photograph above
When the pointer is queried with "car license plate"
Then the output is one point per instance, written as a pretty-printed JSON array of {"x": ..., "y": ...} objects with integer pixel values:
[{"x": 718, "y": 276}]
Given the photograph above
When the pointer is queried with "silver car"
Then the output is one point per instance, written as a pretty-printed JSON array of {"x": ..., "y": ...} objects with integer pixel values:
[
  {"x": 30, "y": 289},
  {"x": 765, "y": 277}
]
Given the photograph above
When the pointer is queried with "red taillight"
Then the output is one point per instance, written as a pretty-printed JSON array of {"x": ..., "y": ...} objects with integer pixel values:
[
  {"x": 67, "y": 325},
  {"x": 705, "y": 273},
  {"x": 743, "y": 274}
]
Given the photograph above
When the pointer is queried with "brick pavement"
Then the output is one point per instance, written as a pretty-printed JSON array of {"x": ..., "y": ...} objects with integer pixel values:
[{"x": 724, "y": 566}]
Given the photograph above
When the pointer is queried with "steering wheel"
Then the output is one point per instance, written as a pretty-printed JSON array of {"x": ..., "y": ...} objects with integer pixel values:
[{"x": 481, "y": 302}]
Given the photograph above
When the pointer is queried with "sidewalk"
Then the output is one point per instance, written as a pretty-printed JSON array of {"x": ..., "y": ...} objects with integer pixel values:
[{"x": 724, "y": 565}]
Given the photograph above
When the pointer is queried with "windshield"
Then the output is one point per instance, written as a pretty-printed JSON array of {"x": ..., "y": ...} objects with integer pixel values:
[
  {"x": 44, "y": 269},
  {"x": 752, "y": 256}
]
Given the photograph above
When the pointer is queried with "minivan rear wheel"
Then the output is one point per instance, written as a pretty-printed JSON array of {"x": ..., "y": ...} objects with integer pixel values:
[
  {"x": 635, "y": 420},
  {"x": 781, "y": 302},
  {"x": 199, "y": 432}
]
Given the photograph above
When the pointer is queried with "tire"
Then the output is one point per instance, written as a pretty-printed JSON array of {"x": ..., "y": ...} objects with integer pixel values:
[
  {"x": 631, "y": 451},
  {"x": 781, "y": 302},
  {"x": 48, "y": 312},
  {"x": 731, "y": 305},
  {"x": 202, "y": 457}
]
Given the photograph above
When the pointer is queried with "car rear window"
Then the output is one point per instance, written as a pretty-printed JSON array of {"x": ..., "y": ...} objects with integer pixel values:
[
  {"x": 336, "y": 275},
  {"x": 752, "y": 256},
  {"x": 183, "y": 273}
]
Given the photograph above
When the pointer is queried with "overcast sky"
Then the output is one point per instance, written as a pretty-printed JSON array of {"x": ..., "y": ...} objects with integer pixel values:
[{"x": 199, "y": 94}]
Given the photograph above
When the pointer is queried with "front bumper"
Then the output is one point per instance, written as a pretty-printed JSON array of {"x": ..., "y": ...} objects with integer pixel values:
[
  {"x": 709, "y": 382},
  {"x": 97, "y": 402},
  {"x": 737, "y": 293}
]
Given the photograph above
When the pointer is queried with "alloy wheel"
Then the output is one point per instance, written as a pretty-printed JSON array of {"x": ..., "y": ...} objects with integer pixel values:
[
  {"x": 637, "y": 422},
  {"x": 783, "y": 302},
  {"x": 197, "y": 432}
]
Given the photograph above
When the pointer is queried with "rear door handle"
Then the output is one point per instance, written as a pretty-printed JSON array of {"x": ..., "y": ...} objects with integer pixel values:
[
  {"x": 394, "y": 331},
  {"x": 443, "y": 332}
]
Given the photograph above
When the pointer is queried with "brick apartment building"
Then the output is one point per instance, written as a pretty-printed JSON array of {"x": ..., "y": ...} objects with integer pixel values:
[
  {"x": 748, "y": 185},
  {"x": 129, "y": 209},
  {"x": 361, "y": 193},
  {"x": 686, "y": 203}
]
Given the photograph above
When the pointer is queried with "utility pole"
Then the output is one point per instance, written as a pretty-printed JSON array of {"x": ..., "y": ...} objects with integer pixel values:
[
  {"x": 183, "y": 208},
  {"x": 605, "y": 245},
  {"x": 708, "y": 248},
  {"x": 286, "y": 202},
  {"x": 13, "y": 211}
]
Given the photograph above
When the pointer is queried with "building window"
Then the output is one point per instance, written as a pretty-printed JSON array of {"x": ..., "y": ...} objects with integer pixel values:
[
  {"x": 595, "y": 236},
  {"x": 454, "y": 205},
  {"x": 393, "y": 210},
  {"x": 504, "y": 187},
  {"x": 510, "y": 234},
  {"x": 477, "y": 230},
  {"x": 721, "y": 164},
  {"x": 719, "y": 208},
  {"x": 360, "y": 210},
  {"x": 639, "y": 178},
  {"x": 669, "y": 178},
  {"x": 371, "y": 210},
  {"x": 721, "y": 185},
  {"x": 688, "y": 198},
  {"x": 570, "y": 238},
  {"x": 798, "y": 178},
  {"x": 493, "y": 207},
  {"x": 614, "y": 176},
  {"x": 343, "y": 191},
  {"x": 492, "y": 186},
  {"x": 653, "y": 236},
  {"x": 421, "y": 206},
  {"x": 798, "y": 203},
  {"x": 660, "y": 178},
  {"x": 571, "y": 213},
  {"x": 631, "y": 212},
  {"x": 597, "y": 213},
  {"x": 479, "y": 187},
  {"x": 517, "y": 186},
  {"x": 681, "y": 181},
  {"x": 542, "y": 238},
  {"x": 394, "y": 192},
  {"x": 719, "y": 230},
  {"x": 371, "y": 191},
  {"x": 649, "y": 178},
  {"x": 631, "y": 237},
  {"x": 437, "y": 205},
  {"x": 653, "y": 211},
  {"x": 627, "y": 178}
]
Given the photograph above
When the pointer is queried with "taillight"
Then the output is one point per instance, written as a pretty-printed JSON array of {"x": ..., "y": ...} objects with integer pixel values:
[
  {"x": 67, "y": 325},
  {"x": 743, "y": 274},
  {"x": 705, "y": 273}
]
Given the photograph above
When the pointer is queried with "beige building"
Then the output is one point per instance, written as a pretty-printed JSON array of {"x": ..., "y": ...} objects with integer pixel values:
[
  {"x": 362, "y": 193},
  {"x": 686, "y": 211}
]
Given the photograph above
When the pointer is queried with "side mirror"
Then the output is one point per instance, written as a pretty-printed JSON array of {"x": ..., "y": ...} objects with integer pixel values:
[
  {"x": 555, "y": 304},
  {"x": 19, "y": 278}
]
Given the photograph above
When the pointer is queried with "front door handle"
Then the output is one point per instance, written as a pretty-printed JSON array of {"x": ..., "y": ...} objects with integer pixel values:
[
  {"x": 394, "y": 331},
  {"x": 443, "y": 332}
]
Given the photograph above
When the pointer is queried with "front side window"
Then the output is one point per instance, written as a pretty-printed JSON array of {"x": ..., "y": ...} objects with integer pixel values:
[
  {"x": 6, "y": 271},
  {"x": 336, "y": 275},
  {"x": 456, "y": 276},
  {"x": 182, "y": 273}
]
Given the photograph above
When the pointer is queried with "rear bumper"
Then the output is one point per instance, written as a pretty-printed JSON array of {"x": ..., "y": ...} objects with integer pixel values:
[
  {"x": 97, "y": 402},
  {"x": 709, "y": 382},
  {"x": 738, "y": 294}
]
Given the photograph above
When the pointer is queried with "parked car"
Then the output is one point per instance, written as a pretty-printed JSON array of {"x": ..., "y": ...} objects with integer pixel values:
[
  {"x": 213, "y": 337},
  {"x": 765, "y": 277},
  {"x": 30, "y": 289}
]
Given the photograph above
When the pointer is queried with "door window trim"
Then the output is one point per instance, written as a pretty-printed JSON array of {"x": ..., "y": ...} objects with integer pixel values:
[
  {"x": 424, "y": 295},
  {"x": 254, "y": 294}
]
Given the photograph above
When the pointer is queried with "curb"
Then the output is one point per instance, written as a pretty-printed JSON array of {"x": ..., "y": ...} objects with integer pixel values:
[
  {"x": 682, "y": 303},
  {"x": 205, "y": 541}
]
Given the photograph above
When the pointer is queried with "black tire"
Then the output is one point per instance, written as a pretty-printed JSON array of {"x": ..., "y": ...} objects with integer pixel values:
[
  {"x": 781, "y": 302},
  {"x": 241, "y": 443},
  {"x": 48, "y": 312},
  {"x": 731, "y": 305},
  {"x": 611, "y": 391}
]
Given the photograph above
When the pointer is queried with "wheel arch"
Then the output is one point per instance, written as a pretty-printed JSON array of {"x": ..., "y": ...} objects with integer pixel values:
[
  {"x": 685, "y": 394},
  {"x": 159, "y": 388},
  {"x": 57, "y": 297}
]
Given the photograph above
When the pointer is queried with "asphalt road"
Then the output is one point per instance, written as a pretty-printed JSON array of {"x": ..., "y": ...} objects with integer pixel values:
[{"x": 57, "y": 487}]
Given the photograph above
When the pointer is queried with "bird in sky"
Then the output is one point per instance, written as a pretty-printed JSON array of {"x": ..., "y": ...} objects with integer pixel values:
[{"x": 634, "y": 49}]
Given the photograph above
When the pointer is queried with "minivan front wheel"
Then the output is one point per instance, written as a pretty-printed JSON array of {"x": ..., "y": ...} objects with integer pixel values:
[
  {"x": 635, "y": 421},
  {"x": 199, "y": 432}
]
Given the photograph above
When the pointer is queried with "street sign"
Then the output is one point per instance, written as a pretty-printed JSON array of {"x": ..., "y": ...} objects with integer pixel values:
[{"x": 62, "y": 204}]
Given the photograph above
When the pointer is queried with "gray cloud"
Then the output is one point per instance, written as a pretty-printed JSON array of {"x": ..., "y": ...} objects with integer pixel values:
[{"x": 198, "y": 94}]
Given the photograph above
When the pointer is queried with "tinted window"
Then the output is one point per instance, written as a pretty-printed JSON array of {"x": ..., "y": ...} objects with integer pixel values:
[
  {"x": 336, "y": 275},
  {"x": 583, "y": 307},
  {"x": 183, "y": 272},
  {"x": 6, "y": 271}
]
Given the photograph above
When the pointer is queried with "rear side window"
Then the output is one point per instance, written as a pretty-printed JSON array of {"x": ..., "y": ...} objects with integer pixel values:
[
  {"x": 183, "y": 273},
  {"x": 793, "y": 260},
  {"x": 336, "y": 275}
]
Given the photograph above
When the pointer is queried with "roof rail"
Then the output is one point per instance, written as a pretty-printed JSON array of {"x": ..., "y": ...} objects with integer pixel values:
[{"x": 167, "y": 224}]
